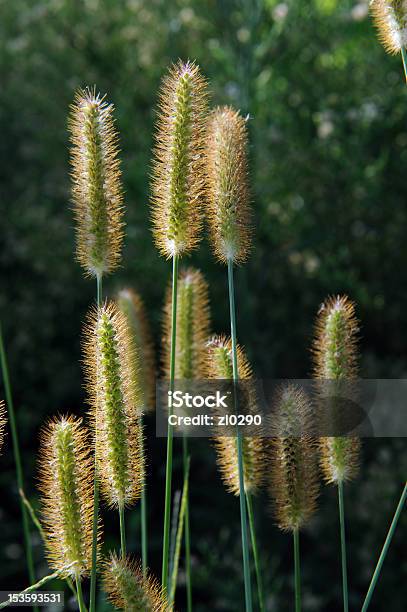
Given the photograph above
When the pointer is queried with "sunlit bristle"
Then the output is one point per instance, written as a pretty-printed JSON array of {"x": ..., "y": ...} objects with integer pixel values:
[
  {"x": 219, "y": 366},
  {"x": 335, "y": 352},
  {"x": 66, "y": 485},
  {"x": 390, "y": 18},
  {"x": 192, "y": 326},
  {"x": 96, "y": 183},
  {"x": 116, "y": 404},
  {"x": 128, "y": 589},
  {"x": 227, "y": 185},
  {"x": 178, "y": 179},
  {"x": 132, "y": 307},
  {"x": 293, "y": 473}
]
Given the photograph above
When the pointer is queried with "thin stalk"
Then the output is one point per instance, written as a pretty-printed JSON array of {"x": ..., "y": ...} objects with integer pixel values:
[
  {"x": 37, "y": 524},
  {"x": 255, "y": 551},
  {"x": 81, "y": 603},
  {"x": 243, "y": 516},
  {"x": 174, "y": 529},
  {"x": 385, "y": 548},
  {"x": 92, "y": 606},
  {"x": 297, "y": 570},
  {"x": 143, "y": 518},
  {"x": 17, "y": 458},
  {"x": 40, "y": 583},
  {"x": 177, "y": 547},
  {"x": 343, "y": 547},
  {"x": 186, "y": 460},
  {"x": 168, "y": 471},
  {"x": 122, "y": 531},
  {"x": 404, "y": 58}
]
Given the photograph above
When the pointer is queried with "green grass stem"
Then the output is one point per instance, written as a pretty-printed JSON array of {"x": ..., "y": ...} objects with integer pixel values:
[
  {"x": 122, "y": 531},
  {"x": 243, "y": 514},
  {"x": 81, "y": 603},
  {"x": 297, "y": 570},
  {"x": 181, "y": 525},
  {"x": 343, "y": 547},
  {"x": 186, "y": 462},
  {"x": 255, "y": 551},
  {"x": 404, "y": 59}
]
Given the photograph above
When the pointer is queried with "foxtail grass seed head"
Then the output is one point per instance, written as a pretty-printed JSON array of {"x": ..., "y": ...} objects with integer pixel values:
[
  {"x": 116, "y": 403},
  {"x": 336, "y": 359},
  {"x": 227, "y": 185},
  {"x": 192, "y": 326},
  {"x": 3, "y": 421},
  {"x": 219, "y": 366},
  {"x": 127, "y": 588},
  {"x": 178, "y": 183},
  {"x": 96, "y": 183},
  {"x": 66, "y": 485},
  {"x": 132, "y": 307},
  {"x": 293, "y": 481},
  {"x": 390, "y": 18}
]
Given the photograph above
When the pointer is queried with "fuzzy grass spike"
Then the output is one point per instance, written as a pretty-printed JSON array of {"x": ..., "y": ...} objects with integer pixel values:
[
  {"x": 390, "y": 18},
  {"x": 96, "y": 183},
  {"x": 128, "y": 589},
  {"x": 66, "y": 485}
]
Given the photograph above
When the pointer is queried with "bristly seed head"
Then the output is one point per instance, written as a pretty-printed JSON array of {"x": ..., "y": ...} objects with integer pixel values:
[
  {"x": 390, "y": 18},
  {"x": 66, "y": 485},
  {"x": 132, "y": 307},
  {"x": 192, "y": 326},
  {"x": 227, "y": 185},
  {"x": 220, "y": 366},
  {"x": 293, "y": 480},
  {"x": 127, "y": 588},
  {"x": 96, "y": 183},
  {"x": 336, "y": 360},
  {"x": 116, "y": 404},
  {"x": 178, "y": 183},
  {"x": 3, "y": 421}
]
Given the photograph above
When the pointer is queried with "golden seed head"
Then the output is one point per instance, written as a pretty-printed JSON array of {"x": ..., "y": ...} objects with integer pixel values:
[
  {"x": 66, "y": 485},
  {"x": 219, "y": 366},
  {"x": 293, "y": 480},
  {"x": 127, "y": 588},
  {"x": 227, "y": 185},
  {"x": 132, "y": 307},
  {"x": 116, "y": 404},
  {"x": 390, "y": 18},
  {"x": 3, "y": 421},
  {"x": 96, "y": 183},
  {"x": 335, "y": 353},
  {"x": 178, "y": 183},
  {"x": 336, "y": 337},
  {"x": 192, "y": 326}
]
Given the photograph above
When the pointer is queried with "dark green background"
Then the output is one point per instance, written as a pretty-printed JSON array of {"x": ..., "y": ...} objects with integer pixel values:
[{"x": 328, "y": 147}]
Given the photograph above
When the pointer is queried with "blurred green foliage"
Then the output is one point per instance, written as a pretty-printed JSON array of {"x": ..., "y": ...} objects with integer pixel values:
[{"x": 328, "y": 127}]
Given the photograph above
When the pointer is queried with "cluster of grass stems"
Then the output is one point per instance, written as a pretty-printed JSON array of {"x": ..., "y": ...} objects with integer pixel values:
[{"x": 199, "y": 172}]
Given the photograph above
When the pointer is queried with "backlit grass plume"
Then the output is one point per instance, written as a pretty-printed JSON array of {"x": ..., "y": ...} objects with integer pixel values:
[
  {"x": 192, "y": 326},
  {"x": 66, "y": 485},
  {"x": 178, "y": 184},
  {"x": 116, "y": 401},
  {"x": 219, "y": 366},
  {"x": 293, "y": 480},
  {"x": 390, "y": 17},
  {"x": 128, "y": 589},
  {"x": 132, "y": 307},
  {"x": 3, "y": 422},
  {"x": 336, "y": 359},
  {"x": 96, "y": 183},
  {"x": 227, "y": 185}
]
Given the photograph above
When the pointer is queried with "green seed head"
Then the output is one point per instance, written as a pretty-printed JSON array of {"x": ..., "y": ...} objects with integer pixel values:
[
  {"x": 132, "y": 307},
  {"x": 66, "y": 484},
  {"x": 192, "y": 326},
  {"x": 129, "y": 590},
  {"x": 178, "y": 182},
  {"x": 293, "y": 480},
  {"x": 227, "y": 186},
  {"x": 96, "y": 183},
  {"x": 220, "y": 366},
  {"x": 116, "y": 403},
  {"x": 390, "y": 17}
]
